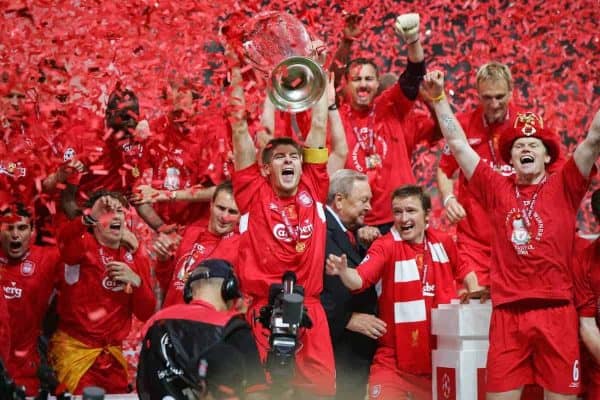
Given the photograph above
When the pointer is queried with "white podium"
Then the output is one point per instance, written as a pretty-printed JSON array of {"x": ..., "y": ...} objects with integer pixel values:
[{"x": 462, "y": 344}]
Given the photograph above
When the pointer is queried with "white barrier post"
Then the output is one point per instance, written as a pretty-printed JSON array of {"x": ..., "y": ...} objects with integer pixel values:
[{"x": 462, "y": 344}]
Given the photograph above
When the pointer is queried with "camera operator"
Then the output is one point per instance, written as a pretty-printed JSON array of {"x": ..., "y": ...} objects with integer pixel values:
[
  {"x": 202, "y": 349},
  {"x": 283, "y": 228}
]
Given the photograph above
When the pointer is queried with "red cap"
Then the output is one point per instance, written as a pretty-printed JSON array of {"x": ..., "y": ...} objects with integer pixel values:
[{"x": 532, "y": 126}]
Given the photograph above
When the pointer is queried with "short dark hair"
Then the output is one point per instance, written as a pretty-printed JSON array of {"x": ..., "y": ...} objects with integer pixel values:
[
  {"x": 224, "y": 186},
  {"x": 360, "y": 61},
  {"x": 117, "y": 112},
  {"x": 596, "y": 204},
  {"x": 103, "y": 192},
  {"x": 18, "y": 208},
  {"x": 413, "y": 191},
  {"x": 267, "y": 152}
]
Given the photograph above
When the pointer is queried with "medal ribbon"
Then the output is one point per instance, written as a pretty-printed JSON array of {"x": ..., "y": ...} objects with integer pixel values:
[
  {"x": 366, "y": 143},
  {"x": 527, "y": 212},
  {"x": 294, "y": 234}
]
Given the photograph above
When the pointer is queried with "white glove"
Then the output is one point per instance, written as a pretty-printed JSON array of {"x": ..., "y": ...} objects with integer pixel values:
[{"x": 407, "y": 26}]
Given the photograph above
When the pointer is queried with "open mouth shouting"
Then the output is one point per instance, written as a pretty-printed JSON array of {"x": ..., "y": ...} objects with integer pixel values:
[
  {"x": 407, "y": 228},
  {"x": 363, "y": 94},
  {"x": 15, "y": 246},
  {"x": 527, "y": 159},
  {"x": 115, "y": 227},
  {"x": 287, "y": 174}
]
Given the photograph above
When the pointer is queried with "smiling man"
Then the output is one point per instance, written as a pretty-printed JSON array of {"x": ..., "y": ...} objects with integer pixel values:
[
  {"x": 352, "y": 320},
  {"x": 103, "y": 286},
  {"x": 382, "y": 131},
  {"x": 217, "y": 240},
  {"x": 282, "y": 228},
  {"x": 416, "y": 266},
  {"x": 533, "y": 220},
  {"x": 27, "y": 277}
]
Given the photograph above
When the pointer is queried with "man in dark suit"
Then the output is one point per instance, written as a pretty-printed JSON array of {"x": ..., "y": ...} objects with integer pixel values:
[{"x": 353, "y": 325}]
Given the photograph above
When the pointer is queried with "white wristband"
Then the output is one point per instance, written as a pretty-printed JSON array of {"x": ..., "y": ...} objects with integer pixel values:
[{"x": 448, "y": 198}]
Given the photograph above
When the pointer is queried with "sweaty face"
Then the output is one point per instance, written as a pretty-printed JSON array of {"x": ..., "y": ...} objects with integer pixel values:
[
  {"x": 410, "y": 219},
  {"x": 352, "y": 208},
  {"x": 109, "y": 229},
  {"x": 15, "y": 236},
  {"x": 284, "y": 170},
  {"x": 224, "y": 214},
  {"x": 529, "y": 158},
  {"x": 494, "y": 96},
  {"x": 362, "y": 85}
]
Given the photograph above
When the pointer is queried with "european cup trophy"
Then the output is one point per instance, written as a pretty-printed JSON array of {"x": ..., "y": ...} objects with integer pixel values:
[{"x": 279, "y": 46}]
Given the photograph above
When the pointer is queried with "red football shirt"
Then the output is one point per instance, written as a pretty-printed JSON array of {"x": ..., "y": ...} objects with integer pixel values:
[
  {"x": 380, "y": 144},
  {"x": 118, "y": 166},
  {"x": 197, "y": 244},
  {"x": 27, "y": 286},
  {"x": 474, "y": 232},
  {"x": 268, "y": 246},
  {"x": 174, "y": 162},
  {"x": 530, "y": 260},
  {"x": 93, "y": 308}
]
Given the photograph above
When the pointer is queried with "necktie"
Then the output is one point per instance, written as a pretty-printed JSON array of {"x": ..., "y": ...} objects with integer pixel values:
[{"x": 351, "y": 238}]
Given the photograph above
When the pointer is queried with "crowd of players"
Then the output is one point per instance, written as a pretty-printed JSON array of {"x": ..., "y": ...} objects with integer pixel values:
[{"x": 328, "y": 194}]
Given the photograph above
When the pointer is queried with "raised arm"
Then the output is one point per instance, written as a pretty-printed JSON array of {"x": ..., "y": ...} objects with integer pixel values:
[
  {"x": 433, "y": 88},
  {"x": 317, "y": 135},
  {"x": 587, "y": 152},
  {"x": 243, "y": 147},
  {"x": 339, "y": 145},
  {"x": 351, "y": 32},
  {"x": 267, "y": 120},
  {"x": 407, "y": 27},
  {"x": 454, "y": 210}
]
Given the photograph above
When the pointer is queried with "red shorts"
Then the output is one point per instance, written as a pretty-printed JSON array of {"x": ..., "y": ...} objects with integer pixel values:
[
  {"x": 386, "y": 381},
  {"x": 534, "y": 345},
  {"x": 107, "y": 373},
  {"x": 315, "y": 366}
]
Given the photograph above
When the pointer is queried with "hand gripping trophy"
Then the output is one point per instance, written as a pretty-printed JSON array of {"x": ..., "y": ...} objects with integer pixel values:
[{"x": 279, "y": 46}]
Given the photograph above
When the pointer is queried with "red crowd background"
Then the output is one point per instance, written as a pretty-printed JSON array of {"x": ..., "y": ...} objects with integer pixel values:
[{"x": 552, "y": 47}]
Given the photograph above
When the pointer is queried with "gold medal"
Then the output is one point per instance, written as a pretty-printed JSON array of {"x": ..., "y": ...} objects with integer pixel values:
[
  {"x": 135, "y": 172},
  {"x": 300, "y": 247},
  {"x": 373, "y": 161}
]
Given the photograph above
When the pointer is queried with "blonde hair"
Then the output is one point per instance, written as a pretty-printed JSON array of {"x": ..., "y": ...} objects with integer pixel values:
[{"x": 495, "y": 71}]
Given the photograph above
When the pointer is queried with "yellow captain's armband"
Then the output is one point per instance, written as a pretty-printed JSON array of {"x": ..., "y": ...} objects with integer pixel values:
[{"x": 315, "y": 156}]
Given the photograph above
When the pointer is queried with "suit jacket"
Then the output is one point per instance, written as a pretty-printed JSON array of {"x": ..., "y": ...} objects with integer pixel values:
[{"x": 338, "y": 302}]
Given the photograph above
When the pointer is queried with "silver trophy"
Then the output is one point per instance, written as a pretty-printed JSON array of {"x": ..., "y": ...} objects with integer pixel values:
[{"x": 279, "y": 46}]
